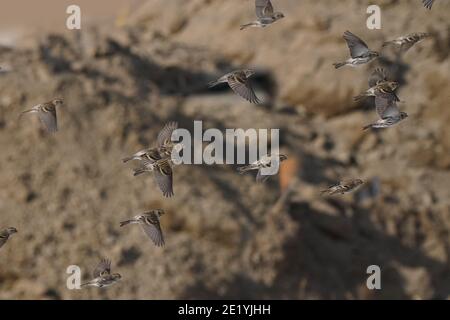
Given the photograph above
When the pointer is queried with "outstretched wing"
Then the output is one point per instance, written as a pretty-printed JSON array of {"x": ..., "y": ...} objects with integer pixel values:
[
  {"x": 103, "y": 268},
  {"x": 241, "y": 87},
  {"x": 356, "y": 45},
  {"x": 152, "y": 229},
  {"x": 264, "y": 8},
  {"x": 165, "y": 134},
  {"x": 48, "y": 119},
  {"x": 164, "y": 176},
  {"x": 428, "y": 4},
  {"x": 386, "y": 107},
  {"x": 378, "y": 75}
]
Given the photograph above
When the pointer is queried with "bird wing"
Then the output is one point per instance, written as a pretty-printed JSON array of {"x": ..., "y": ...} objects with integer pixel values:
[
  {"x": 378, "y": 75},
  {"x": 48, "y": 119},
  {"x": 103, "y": 268},
  {"x": 428, "y": 3},
  {"x": 264, "y": 8},
  {"x": 3, "y": 239},
  {"x": 165, "y": 134},
  {"x": 356, "y": 45},
  {"x": 260, "y": 177},
  {"x": 386, "y": 107},
  {"x": 241, "y": 87},
  {"x": 152, "y": 229},
  {"x": 163, "y": 177}
]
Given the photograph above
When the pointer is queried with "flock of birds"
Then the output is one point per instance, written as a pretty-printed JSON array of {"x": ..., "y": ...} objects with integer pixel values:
[{"x": 158, "y": 160}]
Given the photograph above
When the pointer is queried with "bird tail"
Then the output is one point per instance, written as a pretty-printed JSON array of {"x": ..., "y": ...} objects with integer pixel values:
[
  {"x": 85, "y": 284},
  {"x": 339, "y": 64},
  {"x": 245, "y": 26},
  {"x": 386, "y": 43},
  {"x": 127, "y": 159},
  {"x": 244, "y": 169},
  {"x": 367, "y": 127},
  {"x": 359, "y": 97},
  {"x": 213, "y": 83},
  {"x": 26, "y": 111},
  {"x": 124, "y": 223}
]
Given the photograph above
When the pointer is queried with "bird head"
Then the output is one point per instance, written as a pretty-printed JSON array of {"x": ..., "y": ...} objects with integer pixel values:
[
  {"x": 116, "y": 276},
  {"x": 11, "y": 230},
  {"x": 58, "y": 101},
  {"x": 403, "y": 115},
  {"x": 374, "y": 54},
  {"x": 249, "y": 72},
  {"x": 283, "y": 157},
  {"x": 358, "y": 182},
  {"x": 392, "y": 85},
  {"x": 159, "y": 212},
  {"x": 278, "y": 15}
]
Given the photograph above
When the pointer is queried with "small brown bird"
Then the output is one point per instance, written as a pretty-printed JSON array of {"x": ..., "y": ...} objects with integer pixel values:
[
  {"x": 343, "y": 187},
  {"x": 163, "y": 149},
  {"x": 47, "y": 114},
  {"x": 406, "y": 42},
  {"x": 380, "y": 86},
  {"x": 150, "y": 224},
  {"x": 5, "y": 234},
  {"x": 162, "y": 172},
  {"x": 102, "y": 275},
  {"x": 359, "y": 51},
  {"x": 238, "y": 81},
  {"x": 388, "y": 113},
  {"x": 265, "y": 15},
  {"x": 264, "y": 162}
]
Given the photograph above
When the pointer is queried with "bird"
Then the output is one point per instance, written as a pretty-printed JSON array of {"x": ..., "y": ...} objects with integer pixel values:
[
  {"x": 265, "y": 15},
  {"x": 380, "y": 86},
  {"x": 150, "y": 224},
  {"x": 163, "y": 149},
  {"x": 428, "y": 4},
  {"x": 343, "y": 187},
  {"x": 47, "y": 113},
  {"x": 238, "y": 81},
  {"x": 388, "y": 112},
  {"x": 5, "y": 234},
  {"x": 162, "y": 172},
  {"x": 359, "y": 51},
  {"x": 102, "y": 275},
  {"x": 263, "y": 162},
  {"x": 406, "y": 42}
]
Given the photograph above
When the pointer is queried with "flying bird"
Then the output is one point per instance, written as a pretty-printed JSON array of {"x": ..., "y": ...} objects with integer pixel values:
[
  {"x": 5, "y": 234},
  {"x": 342, "y": 187},
  {"x": 428, "y": 4},
  {"x": 406, "y": 42},
  {"x": 150, "y": 224},
  {"x": 265, "y": 15},
  {"x": 359, "y": 51},
  {"x": 388, "y": 112},
  {"x": 163, "y": 149},
  {"x": 102, "y": 276},
  {"x": 380, "y": 86},
  {"x": 162, "y": 172},
  {"x": 264, "y": 162},
  {"x": 47, "y": 114},
  {"x": 238, "y": 81}
]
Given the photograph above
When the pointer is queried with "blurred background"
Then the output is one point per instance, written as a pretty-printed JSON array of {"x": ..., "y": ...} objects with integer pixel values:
[{"x": 136, "y": 65}]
